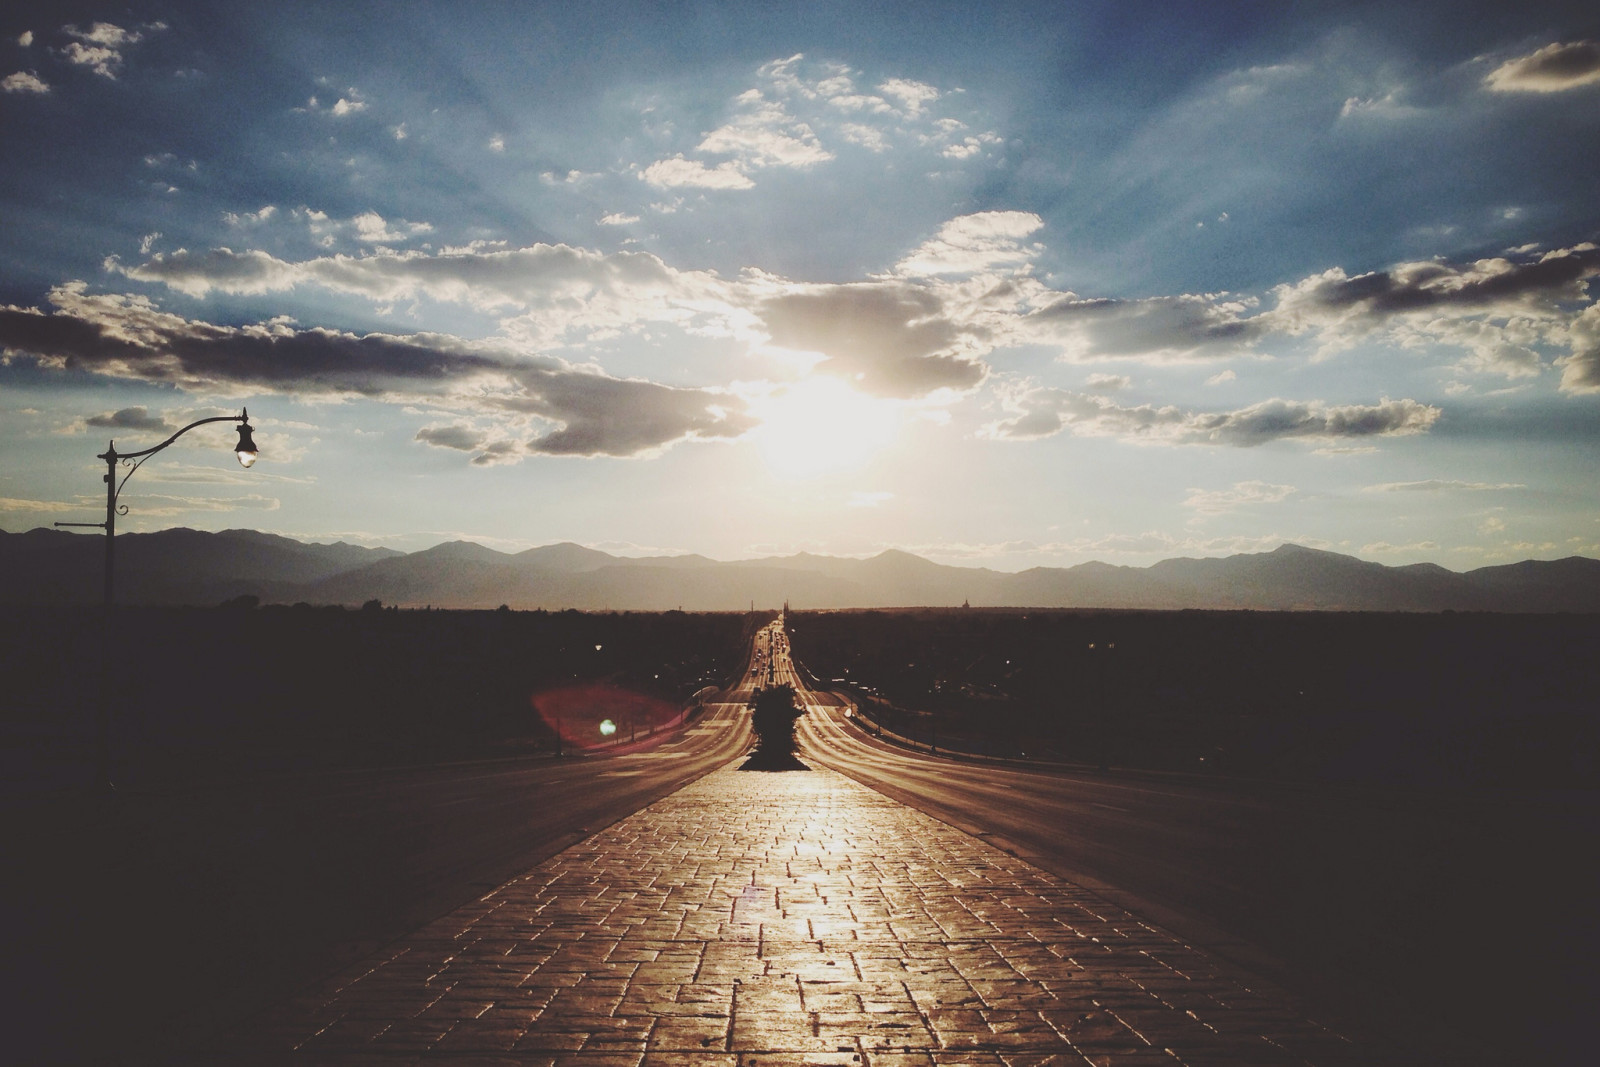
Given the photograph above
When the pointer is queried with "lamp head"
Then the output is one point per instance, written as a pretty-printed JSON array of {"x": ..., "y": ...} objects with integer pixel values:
[{"x": 246, "y": 448}]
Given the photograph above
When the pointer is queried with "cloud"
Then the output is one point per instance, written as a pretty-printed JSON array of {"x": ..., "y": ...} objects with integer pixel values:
[
  {"x": 1379, "y": 548},
  {"x": 1163, "y": 328},
  {"x": 1580, "y": 371},
  {"x": 678, "y": 172},
  {"x": 983, "y": 241},
  {"x": 1221, "y": 376},
  {"x": 913, "y": 95},
  {"x": 12, "y": 503},
  {"x": 461, "y": 438},
  {"x": 1107, "y": 383},
  {"x": 347, "y": 106},
  {"x": 618, "y": 218},
  {"x": 128, "y": 337},
  {"x": 885, "y": 338},
  {"x": 23, "y": 82},
  {"x": 1498, "y": 284},
  {"x": 1552, "y": 69},
  {"x": 159, "y": 507},
  {"x": 865, "y": 499},
  {"x": 100, "y": 46},
  {"x": 763, "y": 134},
  {"x": 1441, "y": 485},
  {"x": 1502, "y": 310},
  {"x": 371, "y": 228},
  {"x": 1043, "y": 412},
  {"x": 135, "y": 418},
  {"x": 250, "y": 218},
  {"x": 466, "y": 439},
  {"x": 569, "y": 285},
  {"x": 25, "y": 38},
  {"x": 1243, "y": 494}
]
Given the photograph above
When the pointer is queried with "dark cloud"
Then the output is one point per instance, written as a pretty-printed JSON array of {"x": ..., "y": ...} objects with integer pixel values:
[
  {"x": 1496, "y": 284},
  {"x": 461, "y": 438},
  {"x": 1044, "y": 412},
  {"x": 1167, "y": 327},
  {"x": 885, "y": 338},
  {"x": 136, "y": 418},
  {"x": 126, "y": 337},
  {"x": 621, "y": 416}
]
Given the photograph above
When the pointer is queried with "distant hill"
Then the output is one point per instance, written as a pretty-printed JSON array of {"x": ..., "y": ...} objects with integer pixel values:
[{"x": 182, "y": 566}]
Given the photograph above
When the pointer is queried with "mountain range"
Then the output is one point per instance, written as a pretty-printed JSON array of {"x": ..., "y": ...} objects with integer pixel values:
[{"x": 182, "y": 566}]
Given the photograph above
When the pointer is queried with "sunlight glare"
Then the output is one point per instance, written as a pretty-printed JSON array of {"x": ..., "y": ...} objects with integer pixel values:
[{"x": 821, "y": 425}]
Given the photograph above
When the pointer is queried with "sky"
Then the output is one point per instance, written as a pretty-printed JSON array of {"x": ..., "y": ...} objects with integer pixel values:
[{"x": 1007, "y": 285}]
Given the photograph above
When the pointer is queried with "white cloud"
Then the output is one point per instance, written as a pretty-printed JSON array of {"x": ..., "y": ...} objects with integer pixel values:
[
  {"x": 372, "y": 228},
  {"x": 1243, "y": 494},
  {"x": 984, "y": 241},
  {"x": 25, "y": 38},
  {"x": 1221, "y": 376},
  {"x": 678, "y": 172},
  {"x": 250, "y": 218},
  {"x": 1580, "y": 371},
  {"x": 1552, "y": 69},
  {"x": 618, "y": 218},
  {"x": 764, "y": 134},
  {"x": 347, "y": 106},
  {"x": 23, "y": 82},
  {"x": 1384, "y": 548},
  {"x": 913, "y": 95},
  {"x": 1107, "y": 383},
  {"x": 1441, "y": 485},
  {"x": 968, "y": 147},
  {"x": 497, "y": 143},
  {"x": 100, "y": 46},
  {"x": 12, "y": 503}
]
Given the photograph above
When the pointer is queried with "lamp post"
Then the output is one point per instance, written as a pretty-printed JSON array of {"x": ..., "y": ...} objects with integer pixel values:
[{"x": 245, "y": 449}]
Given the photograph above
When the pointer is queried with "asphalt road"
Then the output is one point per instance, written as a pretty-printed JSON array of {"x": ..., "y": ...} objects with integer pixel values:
[{"x": 1460, "y": 925}]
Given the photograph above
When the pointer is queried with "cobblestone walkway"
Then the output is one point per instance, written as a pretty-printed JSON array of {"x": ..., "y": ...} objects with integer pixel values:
[{"x": 789, "y": 918}]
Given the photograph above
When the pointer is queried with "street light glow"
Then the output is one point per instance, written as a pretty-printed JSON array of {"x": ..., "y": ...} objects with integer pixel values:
[{"x": 246, "y": 448}]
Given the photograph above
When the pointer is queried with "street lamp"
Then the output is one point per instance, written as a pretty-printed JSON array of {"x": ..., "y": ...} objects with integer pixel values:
[{"x": 245, "y": 449}]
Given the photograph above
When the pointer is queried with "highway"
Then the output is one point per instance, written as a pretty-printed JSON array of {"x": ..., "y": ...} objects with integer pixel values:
[{"x": 1363, "y": 900}]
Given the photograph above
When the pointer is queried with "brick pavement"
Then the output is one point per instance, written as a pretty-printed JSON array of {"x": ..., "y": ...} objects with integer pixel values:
[{"x": 787, "y": 918}]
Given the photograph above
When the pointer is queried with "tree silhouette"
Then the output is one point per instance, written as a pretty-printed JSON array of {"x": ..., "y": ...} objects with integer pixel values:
[{"x": 772, "y": 716}]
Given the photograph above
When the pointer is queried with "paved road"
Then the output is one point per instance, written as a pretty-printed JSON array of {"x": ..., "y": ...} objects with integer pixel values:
[
  {"x": 1373, "y": 902},
  {"x": 787, "y": 918}
]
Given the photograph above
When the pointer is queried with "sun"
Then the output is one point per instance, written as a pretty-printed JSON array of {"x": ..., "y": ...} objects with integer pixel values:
[{"x": 821, "y": 426}]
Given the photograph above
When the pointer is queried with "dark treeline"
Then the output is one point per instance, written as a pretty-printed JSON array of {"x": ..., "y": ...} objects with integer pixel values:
[
  {"x": 1447, "y": 699},
  {"x": 201, "y": 692}
]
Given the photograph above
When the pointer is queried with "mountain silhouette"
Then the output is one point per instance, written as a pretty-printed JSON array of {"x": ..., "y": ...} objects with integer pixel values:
[{"x": 182, "y": 566}]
